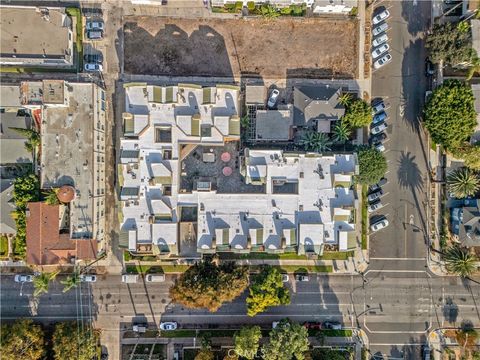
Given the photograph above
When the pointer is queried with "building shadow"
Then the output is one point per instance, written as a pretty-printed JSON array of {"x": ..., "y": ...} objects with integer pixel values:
[{"x": 417, "y": 15}]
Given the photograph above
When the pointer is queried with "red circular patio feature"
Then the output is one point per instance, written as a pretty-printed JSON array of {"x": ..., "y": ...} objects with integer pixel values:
[
  {"x": 227, "y": 171},
  {"x": 226, "y": 157},
  {"x": 66, "y": 193}
]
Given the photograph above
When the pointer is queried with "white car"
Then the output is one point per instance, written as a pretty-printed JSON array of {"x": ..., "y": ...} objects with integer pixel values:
[
  {"x": 88, "y": 278},
  {"x": 380, "y": 40},
  {"x": 155, "y": 278},
  {"x": 285, "y": 278},
  {"x": 381, "y": 17},
  {"x": 377, "y": 108},
  {"x": 382, "y": 61},
  {"x": 375, "y": 206},
  {"x": 382, "y": 49},
  {"x": 272, "y": 100},
  {"x": 381, "y": 224},
  {"x": 380, "y": 147},
  {"x": 23, "y": 278},
  {"x": 93, "y": 67},
  {"x": 168, "y": 326},
  {"x": 380, "y": 29},
  {"x": 94, "y": 25},
  {"x": 378, "y": 129}
]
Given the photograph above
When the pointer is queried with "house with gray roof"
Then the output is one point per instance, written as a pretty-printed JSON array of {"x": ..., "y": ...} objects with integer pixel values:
[
  {"x": 317, "y": 106},
  {"x": 7, "y": 224},
  {"x": 465, "y": 222}
]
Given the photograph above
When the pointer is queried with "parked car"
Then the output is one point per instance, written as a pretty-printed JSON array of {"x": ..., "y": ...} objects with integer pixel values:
[
  {"x": 382, "y": 61},
  {"x": 93, "y": 67},
  {"x": 155, "y": 278},
  {"x": 379, "y": 224},
  {"x": 378, "y": 129},
  {"x": 426, "y": 352},
  {"x": 140, "y": 327},
  {"x": 378, "y": 185},
  {"x": 375, "y": 196},
  {"x": 377, "y": 138},
  {"x": 378, "y": 107},
  {"x": 302, "y": 277},
  {"x": 379, "y": 118},
  {"x": 334, "y": 325},
  {"x": 380, "y": 29},
  {"x": 285, "y": 278},
  {"x": 94, "y": 35},
  {"x": 380, "y": 40},
  {"x": 88, "y": 278},
  {"x": 313, "y": 325},
  {"x": 382, "y": 49},
  {"x": 379, "y": 146},
  {"x": 129, "y": 278},
  {"x": 428, "y": 93},
  {"x": 168, "y": 326},
  {"x": 374, "y": 206},
  {"x": 23, "y": 278},
  {"x": 272, "y": 100},
  {"x": 429, "y": 67},
  {"x": 94, "y": 25},
  {"x": 93, "y": 58},
  {"x": 381, "y": 17}
]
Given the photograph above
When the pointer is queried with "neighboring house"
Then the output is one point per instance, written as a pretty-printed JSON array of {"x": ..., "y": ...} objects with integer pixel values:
[
  {"x": 274, "y": 125},
  {"x": 48, "y": 238},
  {"x": 465, "y": 222},
  {"x": 334, "y": 6},
  {"x": 7, "y": 206},
  {"x": 317, "y": 107},
  {"x": 36, "y": 36},
  {"x": 184, "y": 183}
]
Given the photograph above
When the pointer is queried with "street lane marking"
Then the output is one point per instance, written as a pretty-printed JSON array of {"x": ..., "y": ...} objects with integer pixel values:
[
  {"x": 398, "y": 271},
  {"x": 401, "y": 259}
]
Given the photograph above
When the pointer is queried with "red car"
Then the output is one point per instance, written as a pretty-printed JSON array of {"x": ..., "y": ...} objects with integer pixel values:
[{"x": 313, "y": 325}]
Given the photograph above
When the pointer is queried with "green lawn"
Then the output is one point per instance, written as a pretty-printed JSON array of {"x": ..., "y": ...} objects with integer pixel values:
[
  {"x": 3, "y": 246},
  {"x": 364, "y": 217},
  {"x": 336, "y": 255}
]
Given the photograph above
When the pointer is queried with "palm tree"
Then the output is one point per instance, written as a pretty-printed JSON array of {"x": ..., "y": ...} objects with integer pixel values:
[
  {"x": 345, "y": 99},
  {"x": 474, "y": 67},
  {"x": 51, "y": 197},
  {"x": 71, "y": 281},
  {"x": 315, "y": 141},
  {"x": 459, "y": 261},
  {"x": 463, "y": 182},
  {"x": 341, "y": 132},
  {"x": 42, "y": 282}
]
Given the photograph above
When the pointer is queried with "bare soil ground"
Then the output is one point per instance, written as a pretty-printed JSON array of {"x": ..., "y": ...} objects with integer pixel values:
[{"x": 286, "y": 47}]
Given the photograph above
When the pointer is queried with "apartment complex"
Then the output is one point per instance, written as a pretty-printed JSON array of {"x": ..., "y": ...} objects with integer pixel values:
[{"x": 187, "y": 187}]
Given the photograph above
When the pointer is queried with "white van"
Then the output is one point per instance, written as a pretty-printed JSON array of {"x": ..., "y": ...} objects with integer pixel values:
[
  {"x": 129, "y": 278},
  {"x": 155, "y": 278}
]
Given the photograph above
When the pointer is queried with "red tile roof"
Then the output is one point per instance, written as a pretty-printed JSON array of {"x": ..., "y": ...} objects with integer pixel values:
[{"x": 45, "y": 244}]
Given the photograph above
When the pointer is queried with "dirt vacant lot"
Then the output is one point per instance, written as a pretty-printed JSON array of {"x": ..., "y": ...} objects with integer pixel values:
[{"x": 271, "y": 49}]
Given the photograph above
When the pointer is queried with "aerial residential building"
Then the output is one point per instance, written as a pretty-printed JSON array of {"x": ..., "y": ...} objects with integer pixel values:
[
  {"x": 72, "y": 128},
  {"x": 36, "y": 36},
  {"x": 187, "y": 188}
]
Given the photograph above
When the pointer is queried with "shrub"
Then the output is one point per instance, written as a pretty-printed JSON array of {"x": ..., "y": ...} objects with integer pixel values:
[
  {"x": 354, "y": 11},
  {"x": 297, "y": 10},
  {"x": 286, "y": 10},
  {"x": 239, "y": 5},
  {"x": 251, "y": 5}
]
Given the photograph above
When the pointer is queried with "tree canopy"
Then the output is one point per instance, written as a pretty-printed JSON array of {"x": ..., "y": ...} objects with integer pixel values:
[
  {"x": 247, "y": 341},
  {"x": 358, "y": 113},
  {"x": 78, "y": 342},
  {"x": 470, "y": 155},
  {"x": 459, "y": 261},
  {"x": 22, "y": 340},
  {"x": 449, "y": 43},
  {"x": 287, "y": 341},
  {"x": 207, "y": 285},
  {"x": 25, "y": 189},
  {"x": 463, "y": 182},
  {"x": 267, "y": 290},
  {"x": 373, "y": 165},
  {"x": 450, "y": 116}
]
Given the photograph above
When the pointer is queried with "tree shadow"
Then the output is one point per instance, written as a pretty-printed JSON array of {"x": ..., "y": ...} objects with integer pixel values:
[
  {"x": 450, "y": 310},
  {"x": 408, "y": 173}
]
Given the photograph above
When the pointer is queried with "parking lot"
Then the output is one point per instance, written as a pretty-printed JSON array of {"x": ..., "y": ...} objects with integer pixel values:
[{"x": 230, "y": 48}]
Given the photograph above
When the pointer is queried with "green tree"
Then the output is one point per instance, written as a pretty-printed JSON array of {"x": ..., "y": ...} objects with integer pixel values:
[
  {"x": 287, "y": 341},
  {"x": 341, "y": 132},
  {"x": 72, "y": 281},
  {"x": 72, "y": 338},
  {"x": 345, "y": 99},
  {"x": 41, "y": 283},
  {"x": 470, "y": 155},
  {"x": 204, "y": 354},
  {"x": 373, "y": 165},
  {"x": 207, "y": 285},
  {"x": 269, "y": 12},
  {"x": 459, "y": 261},
  {"x": 474, "y": 67},
  {"x": 267, "y": 290},
  {"x": 51, "y": 197},
  {"x": 247, "y": 341},
  {"x": 449, "y": 43},
  {"x": 463, "y": 182},
  {"x": 357, "y": 114},
  {"x": 22, "y": 340},
  {"x": 33, "y": 138},
  {"x": 450, "y": 116},
  {"x": 25, "y": 189},
  {"x": 315, "y": 141}
]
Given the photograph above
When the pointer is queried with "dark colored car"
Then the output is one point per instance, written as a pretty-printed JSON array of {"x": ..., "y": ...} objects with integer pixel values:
[
  {"x": 313, "y": 325},
  {"x": 93, "y": 58},
  {"x": 334, "y": 325},
  {"x": 379, "y": 138},
  {"x": 429, "y": 67},
  {"x": 377, "y": 186}
]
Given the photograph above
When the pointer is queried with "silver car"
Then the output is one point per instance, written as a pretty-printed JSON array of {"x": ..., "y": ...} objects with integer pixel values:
[
  {"x": 378, "y": 129},
  {"x": 381, "y": 17},
  {"x": 380, "y": 40},
  {"x": 380, "y": 29},
  {"x": 378, "y": 225},
  {"x": 272, "y": 100},
  {"x": 382, "y": 61},
  {"x": 382, "y": 49},
  {"x": 375, "y": 206}
]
